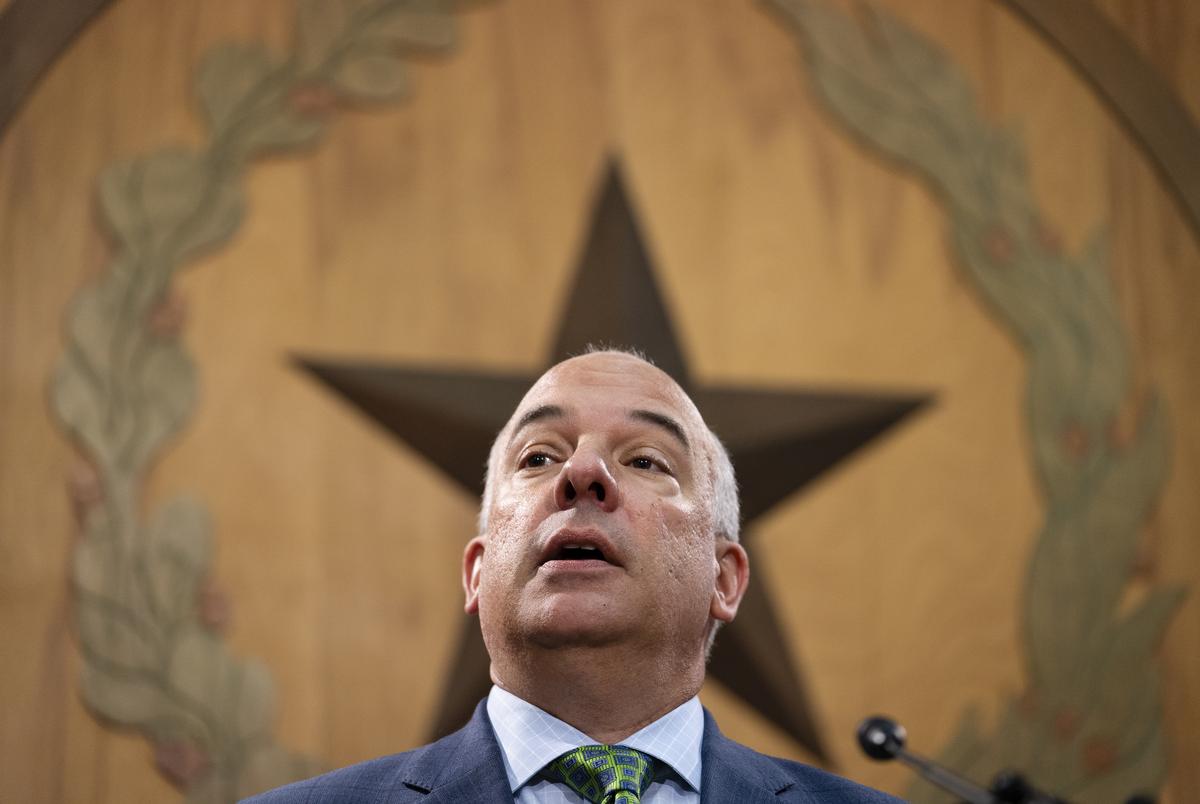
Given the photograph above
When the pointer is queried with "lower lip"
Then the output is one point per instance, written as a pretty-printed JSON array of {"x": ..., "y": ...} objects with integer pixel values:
[{"x": 584, "y": 566}]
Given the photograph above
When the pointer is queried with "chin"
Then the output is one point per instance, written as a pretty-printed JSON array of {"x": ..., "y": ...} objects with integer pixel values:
[{"x": 570, "y": 624}]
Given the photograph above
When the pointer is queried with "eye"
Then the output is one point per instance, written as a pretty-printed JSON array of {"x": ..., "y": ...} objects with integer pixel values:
[
  {"x": 535, "y": 460},
  {"x": 648, "y": 464}
]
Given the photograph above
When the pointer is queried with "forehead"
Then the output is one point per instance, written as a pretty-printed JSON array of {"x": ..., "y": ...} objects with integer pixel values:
[{"x": 618, "y": 383}]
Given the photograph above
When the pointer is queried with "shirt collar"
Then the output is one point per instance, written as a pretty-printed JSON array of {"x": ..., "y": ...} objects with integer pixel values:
[{"x": 531, "y": 738}]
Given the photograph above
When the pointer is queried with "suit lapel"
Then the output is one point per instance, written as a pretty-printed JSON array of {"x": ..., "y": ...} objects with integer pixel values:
[
  {"x": 474, "y": 786},
  {"x": 467, "y": 767},
  {"x": 733, "y": 772},
  {"x": 464, "y": 767}
]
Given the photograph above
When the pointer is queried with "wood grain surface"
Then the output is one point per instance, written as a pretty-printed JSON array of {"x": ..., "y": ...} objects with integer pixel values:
[{"x": 443, "y": 232}]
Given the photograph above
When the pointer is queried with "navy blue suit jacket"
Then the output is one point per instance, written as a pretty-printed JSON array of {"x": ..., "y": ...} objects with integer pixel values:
[{"x": 466, "y": 767}]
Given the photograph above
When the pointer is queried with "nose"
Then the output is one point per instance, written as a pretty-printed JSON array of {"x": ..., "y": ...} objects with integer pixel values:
[{"x": 586, "y": 477}]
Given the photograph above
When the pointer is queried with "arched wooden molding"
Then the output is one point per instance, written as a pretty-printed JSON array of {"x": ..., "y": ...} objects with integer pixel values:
[
  {"x": 33, "y": 33},
  {"x": 1129, "y": 84}
]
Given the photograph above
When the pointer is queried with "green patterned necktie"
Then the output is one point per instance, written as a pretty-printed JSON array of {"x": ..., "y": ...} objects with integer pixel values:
[{"x": 605, "y": 774}]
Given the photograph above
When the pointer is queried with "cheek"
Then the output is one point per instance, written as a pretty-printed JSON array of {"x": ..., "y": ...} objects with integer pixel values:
[
  {"x": 497, "y": 555},
  {"x": 511, "y": 522},
  {"x": 686, "y": 551},
  {"x": 511, "y": 513},
  {"x": 500, "y": 522}
]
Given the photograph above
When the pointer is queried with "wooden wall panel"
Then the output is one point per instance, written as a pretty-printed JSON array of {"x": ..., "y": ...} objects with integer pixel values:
[{"x": 444, "y": 232}]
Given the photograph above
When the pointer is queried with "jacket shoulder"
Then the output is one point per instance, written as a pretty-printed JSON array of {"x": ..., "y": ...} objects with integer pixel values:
[
  {"x": 376, "y": 780},
  {"x": 394, "y": 778},
  {"x": 817, "y": 785},
  {"x": 731, "y": 768}
]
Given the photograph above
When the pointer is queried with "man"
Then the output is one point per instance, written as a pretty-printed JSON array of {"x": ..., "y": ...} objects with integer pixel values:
[{"x": 607, "y": 559}]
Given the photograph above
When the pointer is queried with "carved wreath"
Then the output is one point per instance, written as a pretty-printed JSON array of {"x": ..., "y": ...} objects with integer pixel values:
[{"x": 149, "y": 617}]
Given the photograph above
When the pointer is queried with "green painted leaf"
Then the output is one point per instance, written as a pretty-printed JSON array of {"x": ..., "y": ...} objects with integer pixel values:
[
  {"x": 169, "y": 205},
  {"x": 921, "y": 71},
  {"x": 371, "y": 75},
  {"x": 239, "y": 693},
  {"x": 213, "y": 224},
  {"x": 143, "y": 197},
  {"x": 228, "y": 80},
  {"x": 121, "y": 410},
  {"x": 77, "y": 399},
  {"x": 253, "y": 701},
  {"x": 81, "y": 389},
  {"x": 95, "y": 565},
  {"x": 1142, "y": 772},
  {"x": 416, "y": 24},
  {"x": 1124, "y": 700},
  {"x": 1056, "y": 607},
  {"x": 180, "y": 547},
  {"x": 1140, "y": 631},
  {"x": 1000, "y": 288},
  {"x": 1125, "y": 491},
  {"x": 1004, "y": 167},
  {"x": 162, "y": 394},
  {"x": 898, "y": 94},
  {"x": 113, "y": 634},
  {"x": 201, "y": 669},
  {"x": 1017, "y": 740},
  {"x": 127, "y": 701},
  {"x": 282, "y": 130},
  {"x": 319, "y": 23},
  {"x": 97, "y": 313},
  {"x": 1095, "y": 277}
]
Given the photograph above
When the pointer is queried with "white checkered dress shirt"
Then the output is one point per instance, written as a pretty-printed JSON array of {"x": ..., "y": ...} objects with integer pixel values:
[{"x": 530, "y": 739}]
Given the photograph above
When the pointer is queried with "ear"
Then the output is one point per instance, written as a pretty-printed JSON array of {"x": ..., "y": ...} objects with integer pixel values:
[
  {"x": 472, "y": 567},
  {"x": 733, "y": 576}
]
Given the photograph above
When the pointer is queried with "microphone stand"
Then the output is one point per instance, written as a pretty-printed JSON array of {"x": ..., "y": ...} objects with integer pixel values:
[{"x": 883, "y": 739}]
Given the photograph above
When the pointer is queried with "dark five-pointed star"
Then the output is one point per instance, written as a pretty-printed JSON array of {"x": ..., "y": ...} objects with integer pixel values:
[{"x": 780, "y": 440}]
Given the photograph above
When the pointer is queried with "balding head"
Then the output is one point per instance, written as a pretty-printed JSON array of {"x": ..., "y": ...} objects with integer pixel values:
[{"x": 722, "y": 496}]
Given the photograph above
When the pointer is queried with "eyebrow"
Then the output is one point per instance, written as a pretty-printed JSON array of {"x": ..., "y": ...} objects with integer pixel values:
[
  {"x": 665, "y": 422},
  {"x": 556, "y": 412},
  {"x": 537, "y": 414}
]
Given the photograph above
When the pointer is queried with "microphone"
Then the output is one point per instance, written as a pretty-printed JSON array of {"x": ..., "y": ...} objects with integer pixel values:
[{"x": 882, "y": 739}]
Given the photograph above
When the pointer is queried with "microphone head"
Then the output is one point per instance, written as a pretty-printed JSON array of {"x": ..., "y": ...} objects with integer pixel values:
[{"x": 881, "y": 738}]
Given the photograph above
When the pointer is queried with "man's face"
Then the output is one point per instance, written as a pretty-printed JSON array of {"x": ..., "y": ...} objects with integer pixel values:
[{"x": 600, "y": 526}]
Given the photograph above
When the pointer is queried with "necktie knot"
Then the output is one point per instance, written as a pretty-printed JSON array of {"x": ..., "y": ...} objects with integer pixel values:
[{"x": 605, "y": 774}]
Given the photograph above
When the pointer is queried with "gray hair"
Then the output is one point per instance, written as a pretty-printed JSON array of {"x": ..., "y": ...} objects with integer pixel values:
[{"x": 725, "y": 508}]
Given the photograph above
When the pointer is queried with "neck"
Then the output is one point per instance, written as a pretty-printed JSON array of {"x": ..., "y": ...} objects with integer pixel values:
[{"x": 590, "y": 687}]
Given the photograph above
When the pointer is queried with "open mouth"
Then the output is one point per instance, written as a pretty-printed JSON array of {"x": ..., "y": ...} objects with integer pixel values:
[
  {"x": 582, "y": 549},
  {"x": 578, "y": 552}
]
